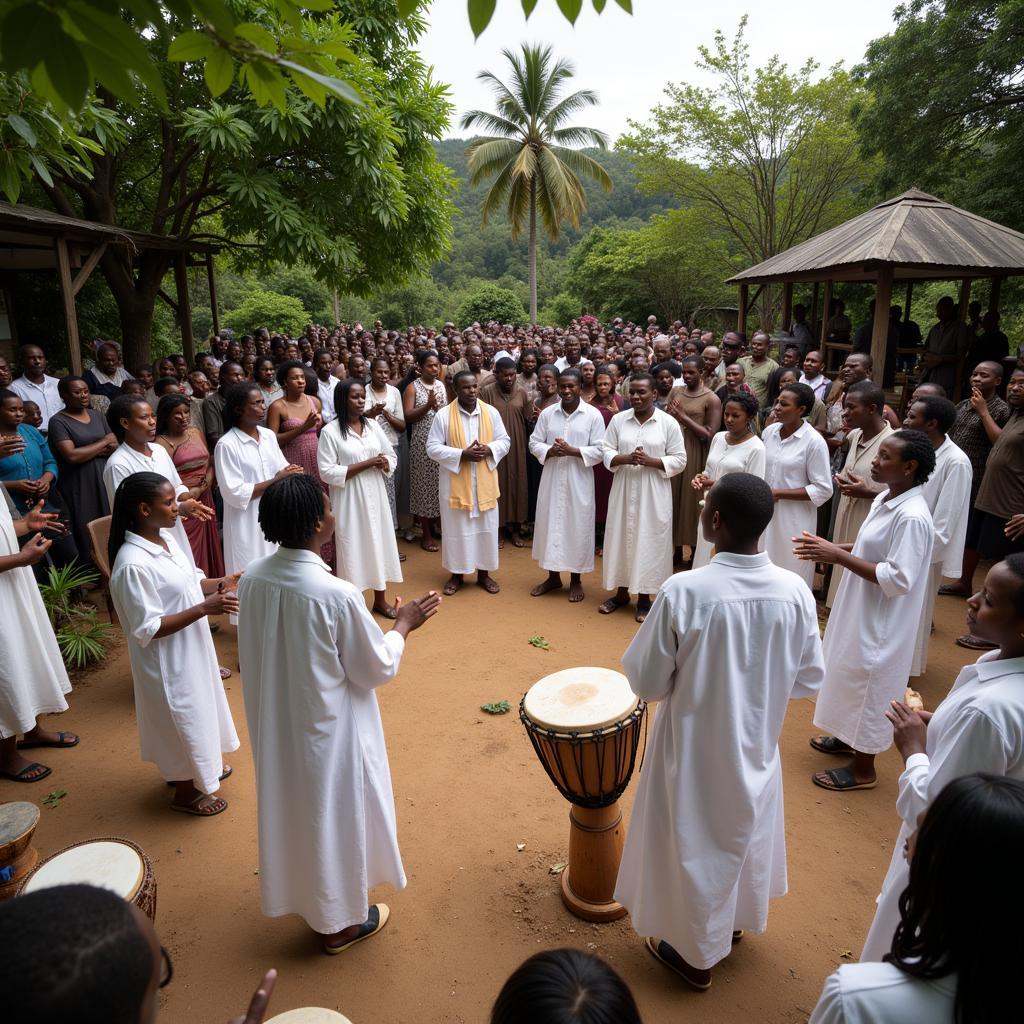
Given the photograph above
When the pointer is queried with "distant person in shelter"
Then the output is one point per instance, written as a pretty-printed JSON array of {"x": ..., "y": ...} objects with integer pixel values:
[
  {"x": 945, "y": 347},
  {"x": 107, "y": 377},
  {"x": 35, "y": 385}
]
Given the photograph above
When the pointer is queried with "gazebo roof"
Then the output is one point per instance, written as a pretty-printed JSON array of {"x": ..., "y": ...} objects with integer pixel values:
[{"x": 920, "y": 236}]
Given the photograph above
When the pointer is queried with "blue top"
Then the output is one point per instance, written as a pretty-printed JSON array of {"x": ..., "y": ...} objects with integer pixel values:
[{"x": 29, "y": 464}]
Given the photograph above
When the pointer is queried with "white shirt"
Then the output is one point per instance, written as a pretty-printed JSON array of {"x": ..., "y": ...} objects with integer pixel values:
[
  {"x": 948, "y": 493},
  {"x": 883, "y": 994},
  {"x": 392, "y": 403},
  {"x": 325, "y": 391},
  {"x": 819, "y": 385},
  {"x": 45, "y": 395}
]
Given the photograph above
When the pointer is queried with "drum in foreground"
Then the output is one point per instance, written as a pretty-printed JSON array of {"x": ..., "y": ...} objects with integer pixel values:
[
  {"x": 585, "y": 724},
  {"x": 115, "y": 864},
  {"x": 309, "y": 1015},
  {"x": 18, "y": 821}
]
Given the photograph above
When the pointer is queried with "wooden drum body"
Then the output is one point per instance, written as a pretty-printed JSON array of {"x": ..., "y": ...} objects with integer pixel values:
[
  {"x": 115, "y": 864},
  {"x": 18, "y": 823},
  {"x": 585, "y": 726}
]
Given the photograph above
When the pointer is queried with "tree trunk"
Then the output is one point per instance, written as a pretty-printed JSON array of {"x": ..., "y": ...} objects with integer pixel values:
[
  {"x": 533, "y": 252},
  {"x": 136, "y": 296}
]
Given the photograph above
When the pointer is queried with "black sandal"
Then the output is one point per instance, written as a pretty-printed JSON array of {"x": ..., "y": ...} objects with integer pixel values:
[{"x": 830, "y": 745}]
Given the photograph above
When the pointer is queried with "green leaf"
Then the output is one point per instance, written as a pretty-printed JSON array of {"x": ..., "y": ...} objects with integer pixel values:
[
  {"x": 67, "y": 70},
  {"x": 41, "y": 169},
  {"x": 406, "y": 7},
  {"x": 528, "y": 6},
  {"x": 571, "y": 9},
  {"x": 480, "y": 14},
  {"x": 337, "y": 50},
  {"x": 218, "y": 14},
  {"x": 340, "y": 89},
  {"x": 626, "y": 5},
  {"x": 599, "y": 5},
  {"x": 22, "y": 127},
  {"x": 10, "y": 180},
  {"x": 319, "y": 5},
  {"x": 190, "y": 46},
  {"x": 313, "y": 90},
  {"x": 26, "y": 34},
  {"x": 219, "y": 71},
  {"x": 257, "y": 35},
  {"x": 113, "y": 74}
]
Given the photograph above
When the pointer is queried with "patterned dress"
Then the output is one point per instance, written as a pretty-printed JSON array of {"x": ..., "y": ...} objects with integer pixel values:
[
  {"x": 301, "y": 451},
  {"x": 424, "y": 472},
  {"x": 192, "y": 460}
]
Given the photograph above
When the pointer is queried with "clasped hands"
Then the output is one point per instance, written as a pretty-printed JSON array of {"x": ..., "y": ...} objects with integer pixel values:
[
  {"x": 637, "y": 457},
  {"x": 852, "y": 485},
  {"x": 475, "y": 452},
  {"x": 560, "y": 448}
]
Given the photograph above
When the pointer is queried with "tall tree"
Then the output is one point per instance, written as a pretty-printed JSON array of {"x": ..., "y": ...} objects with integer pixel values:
[{"x": 528, "y": 151}]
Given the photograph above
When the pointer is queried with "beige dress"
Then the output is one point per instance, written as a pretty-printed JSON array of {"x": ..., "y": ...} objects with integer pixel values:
[{"x": 685, "y": 500}]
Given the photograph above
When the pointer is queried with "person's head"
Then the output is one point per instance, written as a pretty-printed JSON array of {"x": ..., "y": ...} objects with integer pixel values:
[
  {"x": 790, "y": 357},
  {"x": 144, "y": 375},
  {"x": 350, "y": 403},
  {"x": 234, "y": 350},
  {"x": 642, "y": 390},
  {"x": 322, "y": 364},
  {"x": 990, "y": 321},
  {"x": 231, "y": 374},
  {"x": 166, "y": 386},
  {"x": 734, "y": 376},
  {"x": 662, "y": 349},
  {"x": 467, "y": 389},
  {"x": 732, "y": 347},
  {"x": 528, "y": 362},
  {"x": 107, "y": 358},
  {"x": 564, "y": 986},
  {"x": 5, "y": 373},
  {"x": 142, "y": 501},
  {"x": 505, "y": 374},
  {"x": 906, "y": 458},
  {"x": 857, "y": 366},
  {"x": 570, "y": 380},
  {"x": 736, "y": 512},
  {"x": 12, "y": 410},
  {"x": 33, "y": 414},
  {"x": 996, "y": 612},
  {"x": 164, "y": 367},
  {"x": 863, "y": 406},
  {"x": 929, "y": 389},
  {"x": 759, "y": 345},
  {"x": 264, "y": 372},
  {"x": 739, "y": 413},
  {"x": 475, "y": 357},
  {"x": 296, "y": 513},
  {"x": 380, "y": 372},
  {"x": 33, "y": 361},
  {"x": 199, "y": 383},
  {"x": 133, "y": 387},
  {"x": 932, "y": 415},
  {"x": 572, "y": 350},
  {"x": 180, "y": 366},
  {"x": 690, "y": 371},
  {"x": 357, "y": 366},
  {"x": 244, "y": 407},
  {"x": 429, "y": 365},
  {"x": 1015, "y": 389},
  {"x": 959, "y": 915},
  {"x": 813, "y": 362},
  {"x": 799, "y": 312},
  {"x": 173, "y": 415},
  {"x": 291, "y": 375},
  {"x": 986, "y": 377},
  {"x": 945, "y": 308},
  {"x": 547, "y": 379},
  {"x": 666, "y": 376},
  {"x": 74, "y": 393},
  {"x": 603, "y": 382},
  {"x": 131, "y": 419},
  {"x": 795, "y": 401}
]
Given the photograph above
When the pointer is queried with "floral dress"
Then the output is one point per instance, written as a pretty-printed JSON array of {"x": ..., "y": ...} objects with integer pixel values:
[{"x": 424, "y": 472}]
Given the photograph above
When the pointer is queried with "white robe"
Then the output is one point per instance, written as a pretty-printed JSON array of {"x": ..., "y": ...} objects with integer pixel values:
[
  {"x": 33, "y": 679},
  {"x": 979, "y": 727},
  {"x": 723, "y": 459},
  {"x": 182, "y": 713},
  {"x": 883, "y": 994},
  {"x": 469, "y": 540},
  {"x": 800, "y": 460},
  {"x": 867, "y": 652},
  {"x": 563, "y": 533},
  {"x": 364, "y": 538},
  {"x": 311, "y": 656},
  {"x": 948, "y": 493},
  {"x": 724, "y": 649},
  {"x": 638, "y": 530}
]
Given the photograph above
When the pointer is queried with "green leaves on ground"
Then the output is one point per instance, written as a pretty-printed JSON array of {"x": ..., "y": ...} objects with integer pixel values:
[
  {"x": 501, "y": 707},
  {"x": 53, "y": 798},
  {"x": 539, "y": 642}
]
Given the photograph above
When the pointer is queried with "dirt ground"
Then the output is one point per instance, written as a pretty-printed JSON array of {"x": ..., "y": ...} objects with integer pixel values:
[{"x": 468, "y": 789}]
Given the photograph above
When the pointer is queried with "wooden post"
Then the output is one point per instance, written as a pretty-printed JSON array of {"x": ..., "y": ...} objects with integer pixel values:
[
  {"x": 211, "y": 279},
  {"x": 965, "y": 297},
  {"x": 993, "y": 295},
  {"x": 787, "y": 306},
  {"x": 184, "y": 308},
  {"x": 67, "y": 292},
  {"x": 880, "y": 327},
  {"x": 823, "y": 334},
  {"x": 741, "y": 317},
  {"x": 908, "y": 301},
  {"x": 813, "y": 318}
]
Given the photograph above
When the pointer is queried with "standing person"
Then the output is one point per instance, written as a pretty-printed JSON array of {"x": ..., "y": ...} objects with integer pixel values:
[
  {"x": 510, "y": 400},
  {"x": 867, "y": 653},
  {"x": 798, "y": 471},
  {"x": 36, "y": 385},
  {"x": 758, "y": 366},
  {"x": 230, "y": 374},
  {"x": 643, "y": 448},
  {"x": 264, "y": 376},
  {"x": 607, "y": 403},
  {"x": 812, "y": 375},
  {"x": 420, "y": 402},
  {"x": 706, "y": 850},
  {"x": 978, "y": 727},
  {"x": 948, "y": 493},
  {"x": 355, "y": 458},
  {"x": 326, "y": 382},
  {"x": 311, "y": 657},
  {"x": 107, "y": 377},
  {"x": 527, "y": 376},
  {"x": 384, "y": 406},
  {"x": 567, "y": 441},
  {"x": 163, "y": 600},
  {"x": 737, "y": 449},
  {"x": 468, "y": 441},
  {"x": 946, "y": 346}
]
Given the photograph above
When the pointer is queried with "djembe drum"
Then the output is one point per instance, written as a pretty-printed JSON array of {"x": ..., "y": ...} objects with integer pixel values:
[
  {"x": 18, "y": 821},
  {"x": 585, "y": 725},
  {"x": 309, "y": 1015}
]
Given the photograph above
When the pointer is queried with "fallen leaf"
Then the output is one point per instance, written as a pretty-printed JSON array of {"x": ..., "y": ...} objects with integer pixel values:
[
  {"x": 557, "y": 869},
  {"x": 500, "y": 707}
]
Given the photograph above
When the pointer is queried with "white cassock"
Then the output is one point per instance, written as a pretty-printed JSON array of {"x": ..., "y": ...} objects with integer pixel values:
[
  {"x": 979, "y": 727},
  {"x": 563, "y": 533},
  {"x": 800, "y": 460},
  {"x": 706, "y": 846},
  {"x": 183, "y": 716},
  {"x": 126, "y": 461},
  {"x": 867, "y": 648},
  {"x": 469, "y": 540},
  {"x": 33, "y": 679},
  {"x": 311, "y": 656},
  {"x": 948, "y": 493},
  {"x": 883, "y": 994},
  {"x": 364, "y": 536},
  {"x": 723, "y": 459},
  {"x": 638, "y": 530}
]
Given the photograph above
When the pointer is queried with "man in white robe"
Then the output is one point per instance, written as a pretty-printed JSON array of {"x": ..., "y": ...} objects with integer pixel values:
[
  {"x": 311, "y": 657},
  {"x": 568, "y": 442},
  {"x": 469, "y": 537},
  {"x": 724, "y": 649}
]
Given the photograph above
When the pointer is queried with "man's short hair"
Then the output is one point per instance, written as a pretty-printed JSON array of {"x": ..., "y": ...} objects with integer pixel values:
[
  {"x": 942, "y": 410},
  {"x": 460, "y": 375},
  {"x": 745, "y": 504},
  {"x": 869, "y": 393}
]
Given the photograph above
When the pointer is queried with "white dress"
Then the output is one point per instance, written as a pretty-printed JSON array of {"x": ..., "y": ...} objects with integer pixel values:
[
  {"x": 366, "y": 551},
  {"x": 883, "y": 994},
  {"x": 979, "y": 727},
  {"x": 563, "y": 533},
  {"x": 948, "y": 493},
  {"x": 867, "y": 648},
  {"x": 800, "y": 460},
  {"x": 311, "y": 656},
  {"x": 723, "y": 459},
  {"x": 469, "y": 540},
  {"x": 724, "y": 648},
  {"x": 639, "y": 525},
  {"x": 33, "y": 679},
  {"x": 184, "y": 721}
]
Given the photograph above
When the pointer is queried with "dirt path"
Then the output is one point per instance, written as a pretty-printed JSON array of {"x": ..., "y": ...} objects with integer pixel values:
[{"x": 468, "y": 788}]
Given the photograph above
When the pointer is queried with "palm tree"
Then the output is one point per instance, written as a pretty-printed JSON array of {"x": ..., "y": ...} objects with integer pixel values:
[{"x": 528, "y": 152}]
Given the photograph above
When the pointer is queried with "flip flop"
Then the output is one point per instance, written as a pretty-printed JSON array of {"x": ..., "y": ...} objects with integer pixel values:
[
  {"x": 952, "y": 590},
  {"x": 843, "y": 781},
  {"x": 386, "y": 613},
  {"x": 693, "y": 976},
  {"x": 208, "y": 812},
  {"x": 451, "y": 588},
  {"x": 32, "y": 744},
  {"x": 225, "y": 673},
  {"x": 220, "y": 778},
  {"x": 829, "y": 745},
  {"x": 974, "y": 643},
  {"x": 20, "y": 776},
  {"x": 489, "y": 584},
  {"x": 378, "y": 917}
]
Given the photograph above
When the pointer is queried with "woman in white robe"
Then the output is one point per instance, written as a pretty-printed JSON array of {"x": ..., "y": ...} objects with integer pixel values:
[
  {"x": 867, "y": 654},
  {"x": 163, "y": 600},
  {"x": 355, "y": 458},
  {"x": 798, "y": 470},
  {"x": 33, "y": 680}
]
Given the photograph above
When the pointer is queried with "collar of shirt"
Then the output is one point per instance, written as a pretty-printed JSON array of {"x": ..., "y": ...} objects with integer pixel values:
[
  {"x": 799, "y": 432},
  {"x": 246, "y": 438},
  {"x": 991, "y": 666},
  {"x": 301, "y": 555},
  {"x": 147, "y": 545},
  {"x": 475, "y": 412},
  {"x": 894, "y": 503},
  {"x": 738, "y": 561}
]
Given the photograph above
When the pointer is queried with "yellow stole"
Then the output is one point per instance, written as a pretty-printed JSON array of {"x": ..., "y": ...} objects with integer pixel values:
[{"x": 461, "y": 495}]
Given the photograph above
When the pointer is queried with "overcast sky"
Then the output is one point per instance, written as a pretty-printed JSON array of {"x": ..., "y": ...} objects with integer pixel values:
[{"x": 629, "y": 59}]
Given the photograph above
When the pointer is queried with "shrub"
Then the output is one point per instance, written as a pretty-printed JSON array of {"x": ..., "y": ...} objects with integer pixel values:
[
  {"x": 489, "y": 302},
  {"x": 268, "y": 309},
  {"x": 81, "y": 637}
]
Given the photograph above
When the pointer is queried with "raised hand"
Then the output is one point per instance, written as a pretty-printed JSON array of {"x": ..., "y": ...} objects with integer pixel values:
[
  {"x": 34, "y": 550},
  {"x": 412, "y": 615},
  {"x": 260, "y": 1001},
  {"x": 37, "y": 519},
  {"x": 192, "y": 508}
]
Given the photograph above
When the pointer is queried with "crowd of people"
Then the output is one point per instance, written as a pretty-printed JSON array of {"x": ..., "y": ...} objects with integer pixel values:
[{"x": 275, "y": 479}]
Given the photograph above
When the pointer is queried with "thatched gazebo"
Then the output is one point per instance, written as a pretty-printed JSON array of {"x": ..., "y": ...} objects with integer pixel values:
[{"x": 913, "y": 237}]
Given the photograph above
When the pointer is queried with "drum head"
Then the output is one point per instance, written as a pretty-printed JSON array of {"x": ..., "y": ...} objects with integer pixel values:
[
  {"x": 16, "y": 819},
  {"x": 580, "y": 700},
  {"x": 105, "y": 863},
  {"x": 309, "y": 1015}
]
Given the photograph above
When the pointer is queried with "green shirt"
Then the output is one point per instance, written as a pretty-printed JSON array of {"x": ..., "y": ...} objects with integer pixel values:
[{"x": 757, "y": 375}]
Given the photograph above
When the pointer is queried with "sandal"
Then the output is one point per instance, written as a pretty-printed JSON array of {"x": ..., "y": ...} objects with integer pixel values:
[
  {"x": 974, "y": 643},
  {"x": 952, "y": 590},
  {"x": 21, "y": 776},
  {"x": 378, "y": 917},
  {"x": 386, "y": 612},
  {"x": 216, "y": 805},
  {"x": 489, "y": 584},
  {"x": 60, "y": 742},
  {"x": 226, "y": 773},
  {"x": 693, "y": 976},
  {"x": 830, "y": 745},
  {"x": 225, "y": 673},
  {"x": 451, "y": 587},
  {"x": 613, "y": 604},
  {"x": 842, "y": 780}
]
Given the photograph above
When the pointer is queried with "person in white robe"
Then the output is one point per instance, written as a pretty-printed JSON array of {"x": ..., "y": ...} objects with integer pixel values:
[
  {"x": 355, "y": 457},
  {"x": 568, "y": 441},
  {"x": 724, "y": 649},
  {"x": 163, "y": 601},
  {"x": 469, "y": 522},
  {"x": 978, "y": 727},
  {"x": 312, "y": 656},
  {"x": 799, "y": 472},
  {"x": 880, "y": 596},
  {"x": 643, "y": 448},
  {"x": 33, "y": 679},
  {"x": 948, "y": 493}
]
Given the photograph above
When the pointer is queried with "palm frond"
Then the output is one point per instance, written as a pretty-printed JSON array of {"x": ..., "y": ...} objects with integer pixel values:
[
  {"x": 497, "y": 194},
  {"x": 492, "y": 123},
  {"x": 581, "y": 164},
  {"x": 505, "y": 98},
  {"x": 525, "y": 165},
  {"x": 487, "y": 156},
  {"x": 552, "y": 86},
  {"x": 569, "y": 105},
  {"x": 518, "y": 205},
  {"x": 559, "y": 193}
]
